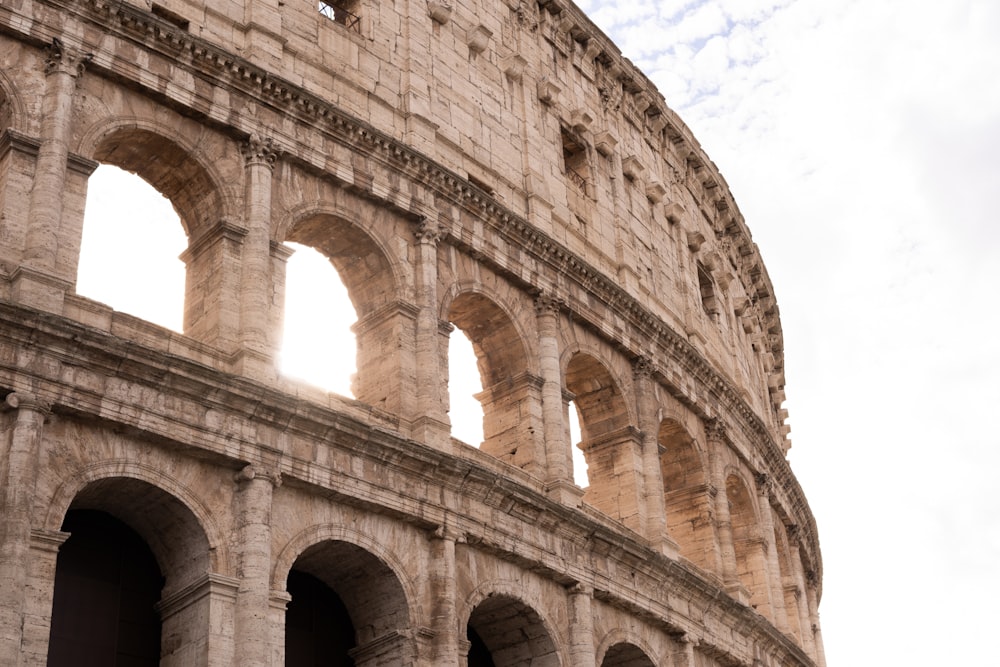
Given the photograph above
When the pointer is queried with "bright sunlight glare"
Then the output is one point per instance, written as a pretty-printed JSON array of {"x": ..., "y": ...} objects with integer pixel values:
[{"x": 131, "y": 246}]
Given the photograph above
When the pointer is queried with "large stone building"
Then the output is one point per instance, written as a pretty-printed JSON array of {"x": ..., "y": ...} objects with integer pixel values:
[{"x": 494, "y": 166}]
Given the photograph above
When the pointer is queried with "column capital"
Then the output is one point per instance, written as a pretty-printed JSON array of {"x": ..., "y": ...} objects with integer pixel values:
[
  {"x": 643, "y": 368},
  {"x": 250, "y": 472},
  {"x": 547, "y": 304},
  {"x": 65, "y": 60},
  {"x": 715, "y": 430},
  {"x": 427, "y": 231},
  {"x": 580, "y": 588},
  {"x": 261, "y": 151},
  {"x": 765, "y": 484},
  {"x": 20, "y": 400}
]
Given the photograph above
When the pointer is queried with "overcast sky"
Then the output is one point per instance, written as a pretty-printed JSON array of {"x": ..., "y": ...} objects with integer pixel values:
[{"x": 860, "y": 139}]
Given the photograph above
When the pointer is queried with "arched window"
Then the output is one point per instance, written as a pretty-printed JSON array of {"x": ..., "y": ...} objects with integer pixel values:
[
  {"x": 318, "y": 345},
  {"x": 130, "y": 249}
]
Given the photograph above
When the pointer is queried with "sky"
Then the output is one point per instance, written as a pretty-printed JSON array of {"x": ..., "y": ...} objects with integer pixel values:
[{"x": 860, "y": 139}]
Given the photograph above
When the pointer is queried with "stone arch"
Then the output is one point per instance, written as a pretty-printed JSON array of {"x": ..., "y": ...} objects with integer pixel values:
[
  {"x": 511, "y": 396},
  {"x": 172, "y": 164},
  {"x": 188, "y": 517},
  {"x": 687, "y": 496},
  {"x": 611, "y": 445},
  {"x": 374, "y": 281},
  {"x": 177, "y": 541},
  {"x": 500, "y": 621},
  {"x": 12, "y": 114},
  {"x": 786, "y": 568},
  {"x": 626, "y": 654},
  {"x": 368, "y": 581},
  {"x": 749, "y": 544}
]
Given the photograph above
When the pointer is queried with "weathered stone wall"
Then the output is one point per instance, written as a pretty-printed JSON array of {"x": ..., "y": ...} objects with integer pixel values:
[{"x": 496, "y": 167}]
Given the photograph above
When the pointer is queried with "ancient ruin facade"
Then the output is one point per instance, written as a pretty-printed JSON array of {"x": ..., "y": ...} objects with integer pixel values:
[{"x": 495, "y": 167}]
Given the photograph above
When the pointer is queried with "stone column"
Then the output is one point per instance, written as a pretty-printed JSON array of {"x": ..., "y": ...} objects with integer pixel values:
[
  {"x": 581, "y": 626},
  {"x": 22, "y": 443},
  {"x": 39, "y": 282},
  {"x": 812, "y": 600},
  {"x": 685, "y": 656},
  {"x": 41, "y": 569},
  {"x": 443, "y": 593},
  {"x": 256, "y": 352},
  {"x": 652, "y": 477},
  {"x": 717, "y": 443},
  {"x": 775, "y": 587},
  {"x": 558, "y": 455},
  {"x": 431, "y": 424},
  {"x": 256, "y": 485},
  {"x": 805, "y": 621}
]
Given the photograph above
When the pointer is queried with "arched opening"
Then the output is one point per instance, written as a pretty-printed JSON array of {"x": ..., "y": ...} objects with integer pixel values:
[
  {"x": 370, "y": 284},
  {"x": 464, "y": 385},
  {"x": 611, "y": 446},
  {"x": 318, "y": 628},
  {"x": 347, "y": 608},
  {"x": 130, "y": 249},
  {"x": 135, "y": 537},
  {"x": 505, "y": 632},
  {"x": 510, "y": 396},
  {"x": 107, "y": 585},
  {"x": 789, "y": 590},
  {"x": 581, "y": 472},
  {"x": 318, "y": 345},
  {"x": 171, "y": 171},
  {"x": 748, "y": 544},
  {"x": 686, "y": 496},
  {"x": 626, "y": 655}
]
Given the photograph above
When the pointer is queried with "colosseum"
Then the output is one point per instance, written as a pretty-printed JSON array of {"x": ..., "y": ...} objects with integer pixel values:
[{"x": 171, "y": 498}]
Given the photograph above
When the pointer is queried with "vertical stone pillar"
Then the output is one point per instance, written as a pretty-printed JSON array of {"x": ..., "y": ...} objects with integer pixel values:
[
  {"x": 431, "y": 424},
  {"x": 652, "y": 477},
  {"x": 41, "y": 568},
  {"x": 256, "y": 485},
  {"x": 717, "y": 443},
  {"x": 558, "y": 456},
  {"x": 256, "y": 337},
  {"x": 773, "y": 571},
  {"x": 805, "y": 621},
  {"x": 22, "y": 444},
  {"x": 581, "y": 626},
  {"x": 443, "y": 593},
  {"x": 685, "y": 656},
  {"x": 40, "y": 282},
  {"x": 812, "y": 600}
]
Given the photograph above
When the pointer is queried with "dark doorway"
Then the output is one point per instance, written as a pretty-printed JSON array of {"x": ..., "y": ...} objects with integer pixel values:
[
  {"x": 479, "y": 655},
  {"x": 106, "y": 589},
  {"x": 318, "y": 629}
]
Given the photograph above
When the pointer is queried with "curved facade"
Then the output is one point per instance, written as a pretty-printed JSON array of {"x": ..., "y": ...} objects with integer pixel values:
[{"x": 492, "y": 166}]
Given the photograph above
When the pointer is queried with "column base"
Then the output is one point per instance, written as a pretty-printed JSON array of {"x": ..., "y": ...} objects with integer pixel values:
[
  {"x": 565, "y": 492},
  {"x": 39, "y": 290}
]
